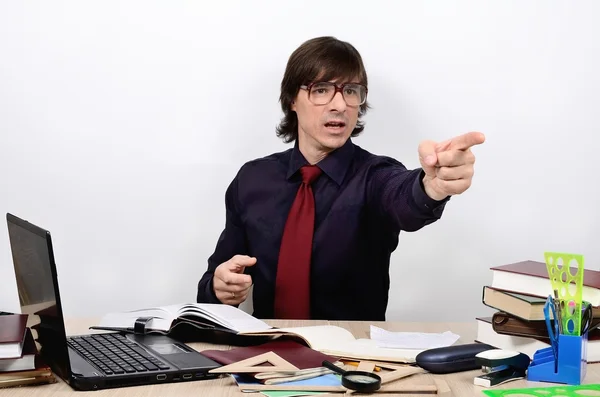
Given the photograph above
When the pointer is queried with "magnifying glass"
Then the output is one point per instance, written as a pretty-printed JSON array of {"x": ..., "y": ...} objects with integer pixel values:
[{"x": 361, "y": 381}]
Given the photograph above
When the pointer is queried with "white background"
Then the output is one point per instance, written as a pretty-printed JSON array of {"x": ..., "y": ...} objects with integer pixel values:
[{"x": 123, "y": 122}]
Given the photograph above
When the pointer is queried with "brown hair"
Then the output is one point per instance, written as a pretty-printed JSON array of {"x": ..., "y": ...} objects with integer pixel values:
[{"x": 326, "y": 58}]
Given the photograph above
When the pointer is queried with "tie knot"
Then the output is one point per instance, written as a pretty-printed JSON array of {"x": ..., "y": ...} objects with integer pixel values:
[{"x": 310, "y": 173}]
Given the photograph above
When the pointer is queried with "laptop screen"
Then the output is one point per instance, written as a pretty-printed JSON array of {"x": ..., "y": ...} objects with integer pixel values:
[{"x": 37, "y": 284}]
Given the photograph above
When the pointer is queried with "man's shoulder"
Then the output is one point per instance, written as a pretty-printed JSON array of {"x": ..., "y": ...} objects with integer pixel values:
[
  {"x": 268, "y": 162},
  {"x": 365, "y": 158}
]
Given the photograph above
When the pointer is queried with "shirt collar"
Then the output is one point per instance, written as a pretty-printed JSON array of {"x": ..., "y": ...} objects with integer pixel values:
[{"x": 335, "y": 164}]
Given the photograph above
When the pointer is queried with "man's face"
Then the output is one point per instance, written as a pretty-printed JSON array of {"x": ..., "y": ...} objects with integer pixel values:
[{"x": 324, "y": 127}]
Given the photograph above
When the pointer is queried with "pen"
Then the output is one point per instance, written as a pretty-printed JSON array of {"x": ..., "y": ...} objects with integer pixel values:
[{"x": 557, "y": 310}]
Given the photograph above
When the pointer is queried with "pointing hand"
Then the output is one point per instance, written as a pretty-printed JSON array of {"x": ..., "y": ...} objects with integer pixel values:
[{"x": 448, "y": 165}]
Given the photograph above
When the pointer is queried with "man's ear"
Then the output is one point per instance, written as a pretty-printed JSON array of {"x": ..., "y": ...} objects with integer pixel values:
[{"x": 293, "y": 106}]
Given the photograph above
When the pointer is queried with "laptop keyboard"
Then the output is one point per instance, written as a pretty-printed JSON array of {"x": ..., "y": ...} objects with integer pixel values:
[{"x": 115, "y": 354}]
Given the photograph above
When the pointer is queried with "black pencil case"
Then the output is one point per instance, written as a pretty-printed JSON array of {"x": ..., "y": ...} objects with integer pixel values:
[{"x": 455, "y": 358}]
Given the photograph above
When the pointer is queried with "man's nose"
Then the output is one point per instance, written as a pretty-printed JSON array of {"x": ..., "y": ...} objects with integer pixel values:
[{"x": 338, "y": 102}]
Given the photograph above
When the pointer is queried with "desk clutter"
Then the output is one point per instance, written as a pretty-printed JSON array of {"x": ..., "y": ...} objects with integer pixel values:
[
  {"x": 545, "y": 328},
  {"x": 547, "y": 311},
  {"x": 307, "y": 359},
  {"x": 20, "y": 363},
  {"x": 196, "y": 321},
  {"x": 289, "y": 366}
]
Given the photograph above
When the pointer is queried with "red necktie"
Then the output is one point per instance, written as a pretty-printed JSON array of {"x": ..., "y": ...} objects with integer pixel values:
[{"x": 292, "y": 288}]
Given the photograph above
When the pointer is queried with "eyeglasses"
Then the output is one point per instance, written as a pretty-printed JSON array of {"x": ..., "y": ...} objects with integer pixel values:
[{"x": 322, "y": 92}]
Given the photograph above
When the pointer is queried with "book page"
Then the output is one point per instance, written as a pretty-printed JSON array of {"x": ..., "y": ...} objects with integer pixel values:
[
  {"x": 225, "y": 315},
  {"x": 367, "y": 349},
  {"x": 338, "y": 341},
  {"x": 318, "y": 336}
]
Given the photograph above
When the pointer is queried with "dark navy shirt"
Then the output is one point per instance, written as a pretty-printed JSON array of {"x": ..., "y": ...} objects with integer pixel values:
[{"x": 362, "y": 203}]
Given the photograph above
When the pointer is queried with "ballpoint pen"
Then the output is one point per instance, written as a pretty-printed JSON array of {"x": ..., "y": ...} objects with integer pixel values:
[{"x": 557, "y": 312}]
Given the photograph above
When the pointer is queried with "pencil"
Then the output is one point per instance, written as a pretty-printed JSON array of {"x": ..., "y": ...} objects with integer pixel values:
[{"x": 356, "y": 363}]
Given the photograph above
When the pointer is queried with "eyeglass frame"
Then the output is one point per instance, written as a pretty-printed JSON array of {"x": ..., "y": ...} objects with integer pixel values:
[{"x": 338, "y": 88}]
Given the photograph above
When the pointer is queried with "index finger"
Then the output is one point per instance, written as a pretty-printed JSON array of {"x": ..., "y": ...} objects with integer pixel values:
[
  {"x": 465, "y": 141},
  {"x": 236, "y": 278},
  {"x": 243, "y": 260}
]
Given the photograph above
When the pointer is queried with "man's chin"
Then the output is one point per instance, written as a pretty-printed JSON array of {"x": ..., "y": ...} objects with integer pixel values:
[{"x": 333, "y": 142}]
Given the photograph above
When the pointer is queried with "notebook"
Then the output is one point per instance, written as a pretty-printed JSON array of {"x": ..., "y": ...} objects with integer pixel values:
[{"x": 309, "y": 362}]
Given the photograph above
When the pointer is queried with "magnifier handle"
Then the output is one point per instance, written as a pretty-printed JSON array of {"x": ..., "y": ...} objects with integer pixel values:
[{"x": 333, "y": 367}]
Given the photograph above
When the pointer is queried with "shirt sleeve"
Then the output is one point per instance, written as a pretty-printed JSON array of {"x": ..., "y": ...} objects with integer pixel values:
[
  {"x": 398, "y": 196},
  {"x": 232, "y": 241}
]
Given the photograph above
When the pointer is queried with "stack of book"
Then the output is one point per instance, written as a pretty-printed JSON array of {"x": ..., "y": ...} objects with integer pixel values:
[
  {"x": 518, "y": 292},
  {"x": 20, "y": 363}
]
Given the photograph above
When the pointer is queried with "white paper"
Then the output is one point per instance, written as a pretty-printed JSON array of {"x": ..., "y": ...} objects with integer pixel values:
[{"x": 412, "y": 340}]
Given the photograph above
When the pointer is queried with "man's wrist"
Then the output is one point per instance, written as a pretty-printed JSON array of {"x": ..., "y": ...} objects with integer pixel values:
[
  {"x": 423, "y": 201},
  {"x": 430, "y": 191}
]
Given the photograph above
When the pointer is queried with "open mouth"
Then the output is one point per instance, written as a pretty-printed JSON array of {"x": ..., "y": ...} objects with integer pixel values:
[{"x": 335, "y": 124}]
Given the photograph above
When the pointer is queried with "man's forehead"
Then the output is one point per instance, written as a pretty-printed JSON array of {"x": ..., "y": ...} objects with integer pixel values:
[{"x": 338, "y": 80}]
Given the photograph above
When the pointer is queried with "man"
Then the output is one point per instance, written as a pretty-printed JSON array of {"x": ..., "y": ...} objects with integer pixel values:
[{"x": 313, "y": 227}]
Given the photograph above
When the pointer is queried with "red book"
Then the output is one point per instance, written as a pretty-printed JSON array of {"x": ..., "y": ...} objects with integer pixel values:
[
  {"x": 531, "y": 277},
  {"x": 293, "y": 352},
  {"x": 12, "y": 335},
  {"x": 27, "y": 359}
]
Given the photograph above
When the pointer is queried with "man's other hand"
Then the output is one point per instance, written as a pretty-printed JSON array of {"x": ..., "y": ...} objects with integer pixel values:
[
  {"x": 448, "y": 165},
  {"x": 230, "y": 283}
]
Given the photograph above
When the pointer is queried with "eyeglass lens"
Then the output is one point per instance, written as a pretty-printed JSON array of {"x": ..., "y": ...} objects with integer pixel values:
[{"x": 322, "y": 93}]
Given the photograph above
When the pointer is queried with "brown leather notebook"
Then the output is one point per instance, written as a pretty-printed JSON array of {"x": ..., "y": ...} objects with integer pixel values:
[
  {"x": 295, "y": 353},
  {"x": 504, "y": 323},
  {"x": 28, "y": 381}
]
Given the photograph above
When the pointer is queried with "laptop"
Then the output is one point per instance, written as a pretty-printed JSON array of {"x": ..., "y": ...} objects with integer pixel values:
[{"x": 93, "y": 361}]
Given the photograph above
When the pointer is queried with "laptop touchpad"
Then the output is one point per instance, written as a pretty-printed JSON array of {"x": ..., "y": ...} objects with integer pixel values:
[
  {"x": 178, "y": 355},
  {"x": 167, "y": 348}
]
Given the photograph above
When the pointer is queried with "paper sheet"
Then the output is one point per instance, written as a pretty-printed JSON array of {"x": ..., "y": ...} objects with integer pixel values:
[{"x": 412, "y": 340}]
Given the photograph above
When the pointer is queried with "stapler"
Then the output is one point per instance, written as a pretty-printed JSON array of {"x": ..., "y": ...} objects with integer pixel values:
[{"x": 500, "y": 366}]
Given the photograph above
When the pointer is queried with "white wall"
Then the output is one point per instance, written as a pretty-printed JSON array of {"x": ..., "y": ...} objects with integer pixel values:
[{"x": 123, "y": 122}]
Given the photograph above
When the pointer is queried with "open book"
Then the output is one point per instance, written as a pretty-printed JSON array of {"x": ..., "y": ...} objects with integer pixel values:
[
  {"x": 164, "y": 319},
  {"x": 328, "y": 339},
  {"x": 339, "y": 342}
]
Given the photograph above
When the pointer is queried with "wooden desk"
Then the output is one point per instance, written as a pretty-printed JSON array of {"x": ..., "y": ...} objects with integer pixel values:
[{"x": 460, "y": 383}]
